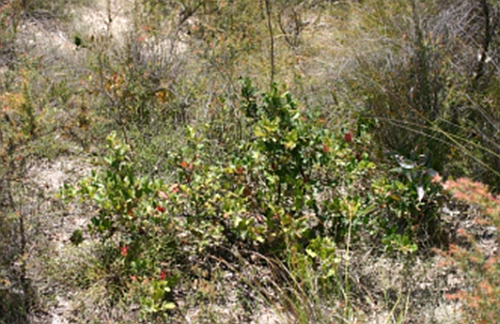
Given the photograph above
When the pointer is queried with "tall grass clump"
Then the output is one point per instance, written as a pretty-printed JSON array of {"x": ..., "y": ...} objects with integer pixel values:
[{"x": 425, "y": 86}]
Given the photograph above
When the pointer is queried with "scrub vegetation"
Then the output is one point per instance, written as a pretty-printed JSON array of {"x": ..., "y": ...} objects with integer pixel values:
[{"x": 271, "y": 161}]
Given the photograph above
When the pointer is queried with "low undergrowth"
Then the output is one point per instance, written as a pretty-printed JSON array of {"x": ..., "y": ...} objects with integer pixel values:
[{"x": 478, "y": 260}]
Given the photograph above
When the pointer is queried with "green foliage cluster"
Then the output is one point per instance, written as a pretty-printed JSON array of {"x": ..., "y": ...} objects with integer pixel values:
[
  {"x": 285, "y": 188},
  {"x": 415, "y": 199},
  {"x": 270, "y": 181},
  {"x": 131, "y": 220}
]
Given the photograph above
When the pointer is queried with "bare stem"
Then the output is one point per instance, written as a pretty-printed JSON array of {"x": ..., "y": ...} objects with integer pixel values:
[
  {"x": 486, "y": 40},
  {"x": 270, "y": 28}
]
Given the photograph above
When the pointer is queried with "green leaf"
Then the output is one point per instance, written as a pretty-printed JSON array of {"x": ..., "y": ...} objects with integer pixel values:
[
  {"x": 311, "y": 253},
  {"x": 77, "y": 237},
  {"x": 259, "y": 132},
  {"x": 168, "y": 306}
]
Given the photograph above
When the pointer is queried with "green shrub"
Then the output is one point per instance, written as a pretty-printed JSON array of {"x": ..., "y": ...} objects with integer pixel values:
[
  {"x": 284, "y": 187},
  {"x": 410, "y": 203},
  {"x": 282, "y": 184},
  {"x": 132, "y": 221}
]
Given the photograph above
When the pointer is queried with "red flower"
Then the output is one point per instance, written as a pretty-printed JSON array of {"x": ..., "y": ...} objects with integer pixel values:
[
  {"x": 163, "y": 274},
  {"x": 124, "y": 250},
  {"x": 186, "y": 165},
  {"x": 348, "y": 137},
  {"x": 160, "y": 209}
]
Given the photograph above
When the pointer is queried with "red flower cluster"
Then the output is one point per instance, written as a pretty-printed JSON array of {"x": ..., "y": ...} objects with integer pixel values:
[{"x": 124, "y": 250}]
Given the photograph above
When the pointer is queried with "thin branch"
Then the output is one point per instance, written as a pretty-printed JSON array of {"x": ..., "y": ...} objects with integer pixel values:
[
  {"x": 270, "y": 28},
  {"x": 486, "y": 40}
]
